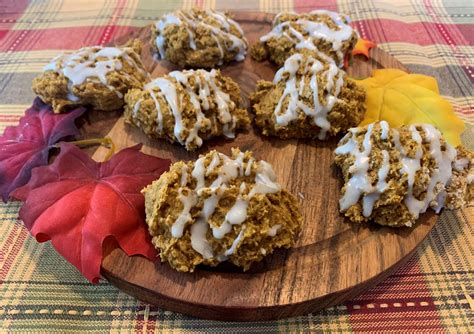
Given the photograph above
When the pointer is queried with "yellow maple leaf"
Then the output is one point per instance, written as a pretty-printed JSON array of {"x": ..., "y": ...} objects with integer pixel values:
[{"x": 401, "y": 98}]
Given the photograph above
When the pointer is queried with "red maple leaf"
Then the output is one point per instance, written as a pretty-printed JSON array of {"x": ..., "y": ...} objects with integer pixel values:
[
  {"x": 77, "y": 203},
  {"x": 27, "y": 145}
]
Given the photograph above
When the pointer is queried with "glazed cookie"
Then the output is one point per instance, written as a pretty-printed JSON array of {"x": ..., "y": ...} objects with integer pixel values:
[
  {"x": 187, "y": 107},
  {"x": 198, "y": 38},
  {"x": 309, "y": 98},
  {"x": 320, "y": 30},
  {"x": 96, "y": 76},
  {"x": 392, "y": 176},
  {"x": 220, "y": 208}
]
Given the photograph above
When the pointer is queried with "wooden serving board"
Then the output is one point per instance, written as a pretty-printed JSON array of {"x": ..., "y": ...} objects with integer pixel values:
[{"x": 333, "y": 259}]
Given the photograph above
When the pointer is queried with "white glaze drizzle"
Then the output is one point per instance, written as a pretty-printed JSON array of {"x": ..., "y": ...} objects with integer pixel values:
[
  {"x": 92, "y": 64},
  {"x": 385, "y": 129},
  {"x": 191, "y": 22},
  {"x": 294, "y": 88},
  {"x": 136, "y": 108},
  {"x": 359, "y": 184},
  {"x": 199, "y": 240},
  {"x": 226, "y": 169},
  {"x": 248, "y": 169},
  {"x": 460, "y": 164},
  {"x": 470, "y": 178},
  {"x": 442, "y": 173},
  {"x": 273, "y": 230},
  {"x": 370, "y": 199},
  {"x": 410, "y": 166},
  {"x": 235, "y": 243},
  {"x": 315, "y": 31},
  {"x": 188, "y": 201},
  {"x": 160, "y": 25},
  {"x": 184, "y": 176},
  {"x": 200, "y": 93}
]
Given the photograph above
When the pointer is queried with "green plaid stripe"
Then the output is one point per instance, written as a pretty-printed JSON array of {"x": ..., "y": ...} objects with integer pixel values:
[{"x": 41, "y": 292}]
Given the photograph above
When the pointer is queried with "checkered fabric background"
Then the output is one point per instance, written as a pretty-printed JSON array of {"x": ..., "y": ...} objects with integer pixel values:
[{"x": 41, "y": 292}]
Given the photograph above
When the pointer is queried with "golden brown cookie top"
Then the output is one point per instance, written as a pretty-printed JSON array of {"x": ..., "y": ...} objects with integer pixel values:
[
  {"x": 304, "y": 73},
  {"x": 307, "y": 30},
  {"x": 201, "y": 91},
  {"x": 211, "y": 175},
  {"x": 94, "y": 64},
  {"x": 413, "y": 163},
  {"x": 214, "y": 206},
  {"x": 202, "y": 24}
]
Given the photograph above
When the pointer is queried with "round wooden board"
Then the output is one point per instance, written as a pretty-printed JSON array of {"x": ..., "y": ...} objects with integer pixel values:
[{"x": 333, "y": 259}]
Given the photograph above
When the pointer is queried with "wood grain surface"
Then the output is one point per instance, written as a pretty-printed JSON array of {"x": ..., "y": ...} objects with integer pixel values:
[{"x": 333, "y": 259}]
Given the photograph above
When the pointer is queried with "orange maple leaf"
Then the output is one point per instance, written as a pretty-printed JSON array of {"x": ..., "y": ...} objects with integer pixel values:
[{"x": 362, "y": 47}]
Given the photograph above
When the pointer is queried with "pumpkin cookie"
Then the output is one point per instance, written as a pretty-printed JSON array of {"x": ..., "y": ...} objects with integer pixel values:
[
  {"x": 96, "y": 76},
  {"x": 392, "y": 176},
  {"x": 308, "y": 98},
  {"x": 187, "y": 107},
  {"x": 220, "y": 208},
  {"x": 324, "y": 32},
  {"x": 198, "y": 38}
]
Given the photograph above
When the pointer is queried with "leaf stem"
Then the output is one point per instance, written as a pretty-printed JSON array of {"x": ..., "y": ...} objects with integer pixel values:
[{"x": 106, "y": 141}]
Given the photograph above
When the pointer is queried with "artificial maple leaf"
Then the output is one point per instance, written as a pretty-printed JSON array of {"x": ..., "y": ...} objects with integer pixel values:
[
  {"x": 401, "y": 98},
  {"x": 27, "y": 145},
  {"x": 77, "y": 203},
  {"x": 362, "y": 47}
]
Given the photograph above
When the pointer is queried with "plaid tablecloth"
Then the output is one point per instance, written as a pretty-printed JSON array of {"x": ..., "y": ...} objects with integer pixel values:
[{"x": 41, "y": 292}]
